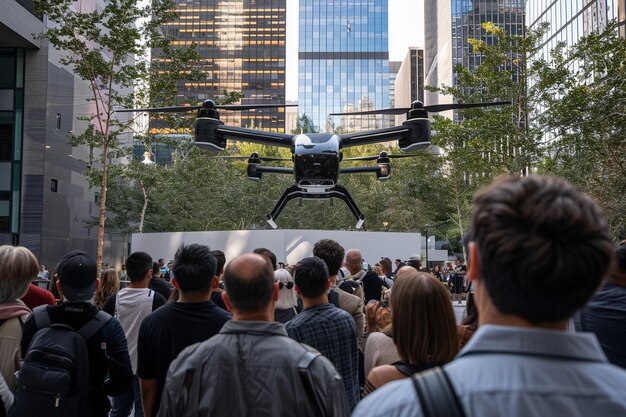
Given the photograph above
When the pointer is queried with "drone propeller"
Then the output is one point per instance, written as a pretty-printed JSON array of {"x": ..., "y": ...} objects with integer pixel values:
[
  {"x": 418, "y": 105},
  {"x": 207, "y": 104}
]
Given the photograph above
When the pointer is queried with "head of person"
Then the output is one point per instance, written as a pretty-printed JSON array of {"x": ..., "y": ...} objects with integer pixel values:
[
  {"x": 220, "y": 257},
  {"x": 415, "y": 262},
  {"x": 42, "y": 268},
  {"x": 161, "y": 262},
  {"x": 156, "y": 270},
  {"x": 311, "y": 277},
  {"x": 18, "y": 267},
  {"x": 354, "y": 261},
  {"x": 471, "y": 312},
  {"x": 385, "y": 265},
  {"x": 436, "y": 269},
  {"x": 249, "y": 283},
  {"x": 194, "y": 269},
  {"x": 538, "y": 251},
  {"x": 139, "y": 266},
  {"x": 170, "y": 265},
  {"x": 377, "y": 270},
  {"x": 617, "y": 272},
  {"x": 287, "y": 297},
  {"x": 109, "y": 285},
  {"x": 331, "y": 253},
  {"x": 78, "y": 276},
  {"x": 423, "y": 322},
  {"x": 268, "y": 254}
]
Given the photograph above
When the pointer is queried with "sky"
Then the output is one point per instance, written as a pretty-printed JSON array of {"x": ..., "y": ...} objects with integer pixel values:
[{"x": 406, "y": 20}]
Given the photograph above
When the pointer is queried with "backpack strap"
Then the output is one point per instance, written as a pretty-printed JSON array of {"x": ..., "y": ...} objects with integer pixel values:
[
  {"x": 436, "y": 394},
  {"x": 42, "y": 318},
  {"x": 94, "y": 325},
  {"x": 303, "y": 370}
]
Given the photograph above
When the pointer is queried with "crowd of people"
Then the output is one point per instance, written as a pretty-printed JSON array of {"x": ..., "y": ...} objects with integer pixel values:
[{"x": 543, "y": 333}]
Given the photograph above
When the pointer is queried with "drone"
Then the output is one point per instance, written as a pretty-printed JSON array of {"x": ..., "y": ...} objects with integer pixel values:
[{"x": 316, "y": 157}]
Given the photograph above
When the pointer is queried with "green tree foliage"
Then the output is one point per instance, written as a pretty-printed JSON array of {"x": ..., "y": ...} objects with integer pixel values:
[
  {"x": 305, "y": 124},
  {"x": 104, "y": 46},
  {"x": 585, "y": 115}
]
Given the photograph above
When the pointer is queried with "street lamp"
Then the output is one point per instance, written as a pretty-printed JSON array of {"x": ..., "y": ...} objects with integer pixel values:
[
  {"x": 386, "y": 226},
  {"x": 427, "y": 226}
]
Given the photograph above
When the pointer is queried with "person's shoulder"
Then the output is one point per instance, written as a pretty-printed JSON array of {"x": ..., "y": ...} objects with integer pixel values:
[{"x": 394, "y": 399}]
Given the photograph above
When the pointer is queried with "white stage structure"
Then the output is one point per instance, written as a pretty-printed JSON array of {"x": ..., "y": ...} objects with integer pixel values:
[{"x": 289, "y": 245}]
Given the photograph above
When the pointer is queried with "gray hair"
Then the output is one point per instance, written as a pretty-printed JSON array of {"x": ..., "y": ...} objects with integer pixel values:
[{"x": 18, "y": 267}]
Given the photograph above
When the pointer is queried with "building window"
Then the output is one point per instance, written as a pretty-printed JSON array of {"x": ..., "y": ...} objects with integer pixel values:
[{"x": 54, "y": 184}]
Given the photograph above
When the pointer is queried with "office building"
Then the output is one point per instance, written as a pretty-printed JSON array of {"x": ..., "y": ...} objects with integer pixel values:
[
  {"x": 409, "y": 84},
  {"x": 448, "y": 26},
  {"x": 343, "y": 62},
  {"x": 242, "y": 49},
  {"x": 570, "y": 20},
  {"x": 45, "y": 200}
]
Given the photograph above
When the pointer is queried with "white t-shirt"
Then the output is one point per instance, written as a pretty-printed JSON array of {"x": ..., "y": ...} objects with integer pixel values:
[{"x": 132, "y": 305}]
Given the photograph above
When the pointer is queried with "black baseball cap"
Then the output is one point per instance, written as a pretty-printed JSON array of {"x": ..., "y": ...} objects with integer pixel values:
[{"x": 77, "y": 273}]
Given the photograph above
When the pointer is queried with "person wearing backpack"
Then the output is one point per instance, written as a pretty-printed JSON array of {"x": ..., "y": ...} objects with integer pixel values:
[{"x": 74, "y": 355}]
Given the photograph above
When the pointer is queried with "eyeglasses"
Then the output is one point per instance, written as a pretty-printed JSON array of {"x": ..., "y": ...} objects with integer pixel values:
[{"x": 289, "y": 285}]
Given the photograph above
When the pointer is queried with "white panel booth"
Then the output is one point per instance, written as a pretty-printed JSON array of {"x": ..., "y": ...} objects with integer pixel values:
[{"x": 289, "y": 245}]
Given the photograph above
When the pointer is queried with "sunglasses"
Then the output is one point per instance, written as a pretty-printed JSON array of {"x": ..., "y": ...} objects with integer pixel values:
[{"x": 289, "y": 285}]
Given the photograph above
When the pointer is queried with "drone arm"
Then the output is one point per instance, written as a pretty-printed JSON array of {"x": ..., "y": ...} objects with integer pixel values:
[
  {"x": 413, "y": 135},
  {"x": 255, "y": 136},
  {"x": 274, "y": 170}
]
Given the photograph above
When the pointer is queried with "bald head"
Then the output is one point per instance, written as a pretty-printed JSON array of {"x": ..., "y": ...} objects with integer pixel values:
[
  {"x": 249, "y": 282},
  {"x": 354, "y": 261}
]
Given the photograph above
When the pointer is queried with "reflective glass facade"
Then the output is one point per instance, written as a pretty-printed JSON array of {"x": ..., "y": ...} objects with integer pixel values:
[
  {"x": 343, "y": 59},
  {"x": 11, "y": 132},
  {"x": 467, "y": 19},
  {"x": 569, "y": 19},
  {"x": 242, "y": 45}
]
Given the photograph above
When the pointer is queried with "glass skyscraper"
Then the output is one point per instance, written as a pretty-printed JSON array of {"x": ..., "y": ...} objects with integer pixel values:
[
  {"x": 343, "y": 62},
  {"x": 242, "y": 49}
]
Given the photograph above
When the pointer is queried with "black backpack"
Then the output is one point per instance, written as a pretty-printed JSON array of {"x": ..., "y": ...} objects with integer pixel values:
[{"x": 54, "y": 379}]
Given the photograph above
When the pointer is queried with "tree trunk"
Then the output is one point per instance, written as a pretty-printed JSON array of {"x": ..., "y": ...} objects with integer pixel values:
[
  {"x": 103, "y": 197},
  {"x": 144, "y": 208},
  {"x": 460, "y": 222}
]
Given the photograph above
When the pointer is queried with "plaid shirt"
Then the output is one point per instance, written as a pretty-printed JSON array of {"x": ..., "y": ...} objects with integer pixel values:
[{"x": 331, "y": 331}]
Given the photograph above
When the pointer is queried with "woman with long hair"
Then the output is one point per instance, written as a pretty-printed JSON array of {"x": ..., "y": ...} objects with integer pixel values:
[
  {"x": 287, "y": 304},
  {"x": 423, "y": 327},
  {"x": 109, "y": 285}
]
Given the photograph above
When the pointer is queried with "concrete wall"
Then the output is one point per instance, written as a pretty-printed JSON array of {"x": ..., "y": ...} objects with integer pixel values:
[{"x": 288, "y": 245}]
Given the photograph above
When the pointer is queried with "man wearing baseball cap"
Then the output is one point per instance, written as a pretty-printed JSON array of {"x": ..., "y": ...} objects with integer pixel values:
[{"x": 110, "y": 372}]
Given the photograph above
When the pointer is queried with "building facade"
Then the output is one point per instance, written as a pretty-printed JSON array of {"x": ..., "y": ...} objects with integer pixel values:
[
  {"x": 569, "y": 20},
  {"x": 242, "y": 49},
  {"x": 448, "y": 26},
  {"x": 343, "y": 62},
  {"x": 45, "y": 200},
  {"x": 409, "y": 84}
]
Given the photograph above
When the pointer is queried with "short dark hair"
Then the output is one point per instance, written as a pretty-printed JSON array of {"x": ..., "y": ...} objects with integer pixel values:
[
  {"x": 268, "y": 254},
  {"x": 221, "y": 261},
  {"x": 331, "y": 253},
  {"x": 194, "y": 267},
  {"x": 415, "y": 263},
  {"x": 385, "y": 263},
  {"x": 155, "y": 268},
  {"x": 137, "y": 264},
  {"x": 249, "y": 289},
  {"x": 543, "y": 246},
  {"x": 311, "y": 277},
  {"x": 619, "y": 263}
]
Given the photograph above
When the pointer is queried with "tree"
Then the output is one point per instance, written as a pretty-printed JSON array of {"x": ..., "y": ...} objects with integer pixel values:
[
  {"x": 104, "y": 46},
  {"x": 585, "y": 115},
  {"x": 304, "y": 124}
]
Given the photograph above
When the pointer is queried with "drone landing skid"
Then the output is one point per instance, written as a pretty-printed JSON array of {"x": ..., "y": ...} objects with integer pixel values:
[{"x": 296, "y": 192}]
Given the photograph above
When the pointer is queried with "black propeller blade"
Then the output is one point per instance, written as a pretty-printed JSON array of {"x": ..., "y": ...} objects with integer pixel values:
[
  {"x": 418, "y": 105},
  {"x": 207, "y": 104}
]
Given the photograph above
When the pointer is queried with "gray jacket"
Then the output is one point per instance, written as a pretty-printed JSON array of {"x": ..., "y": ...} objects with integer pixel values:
[{"x": 252, "y": 369}]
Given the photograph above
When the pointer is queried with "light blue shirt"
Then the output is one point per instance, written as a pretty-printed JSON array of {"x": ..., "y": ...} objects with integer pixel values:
[{"x": 519, "y": 372}]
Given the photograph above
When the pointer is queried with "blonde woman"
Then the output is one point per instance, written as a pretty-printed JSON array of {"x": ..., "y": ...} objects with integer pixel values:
[
  {"x": 109, "y": 285},
  {"x": 287, "y": 304},
  {"x": 18, "y": 267}
]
